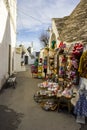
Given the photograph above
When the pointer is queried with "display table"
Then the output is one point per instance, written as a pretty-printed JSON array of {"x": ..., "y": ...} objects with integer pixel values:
[{"x": 64, "y": 102}]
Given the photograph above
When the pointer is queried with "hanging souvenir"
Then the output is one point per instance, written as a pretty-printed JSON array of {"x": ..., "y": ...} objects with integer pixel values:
[{"x": 53, "y": 44}]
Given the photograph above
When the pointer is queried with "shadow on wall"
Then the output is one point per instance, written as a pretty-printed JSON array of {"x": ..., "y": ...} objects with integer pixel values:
[{"x": 9, "y": 119}]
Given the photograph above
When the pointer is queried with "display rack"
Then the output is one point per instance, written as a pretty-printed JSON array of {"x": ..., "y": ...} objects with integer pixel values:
[{"x": 40, "y": 70}]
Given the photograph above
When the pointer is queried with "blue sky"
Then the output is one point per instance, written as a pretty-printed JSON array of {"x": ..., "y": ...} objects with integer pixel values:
[{"x": 34, "y": 17}]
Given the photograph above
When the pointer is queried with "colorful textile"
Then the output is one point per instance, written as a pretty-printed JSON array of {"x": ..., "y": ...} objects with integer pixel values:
[
  {"x": 81, "y": 106},
  {"x": 36, "y": 62},
  {"x": 75, "y": 63},
  {"x": 62, "y": 45},
  {"x": 53, "y": 44},
  {"x": 45, "y": 64},
  {"x": 83, "y": 65},
  {"x": 77, "y": 50}
]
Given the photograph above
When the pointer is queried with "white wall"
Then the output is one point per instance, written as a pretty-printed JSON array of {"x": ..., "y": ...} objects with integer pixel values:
[
  {"x": 4, "y": 42},
  {"x": 7, "y": 37},
  {"x": 17, "y": 64},
  {"x": 41, "y": 53},
  {"x": 3, "y": 17},
  {"x": 31, "y": 61},
  {"x": 54, "y": 31},
  {"x": 12, "y": 4}
]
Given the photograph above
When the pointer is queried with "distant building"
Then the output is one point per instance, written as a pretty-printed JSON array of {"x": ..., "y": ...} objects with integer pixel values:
[
  {"x": 31, "y": 54},
  {"x": 37, "y": 54},
  {"x": 7, "y": 38},
  {"x": 17, "y": 60},
  {"x": 28, "y": 55}
]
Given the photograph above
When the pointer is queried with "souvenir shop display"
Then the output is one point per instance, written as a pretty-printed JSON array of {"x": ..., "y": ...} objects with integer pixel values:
[
  {"x": 62, "y": 65},
  {"x": 69, "y": 63},
  {"x": 66, "y": 64},
  {"x": 50, "y": 88},
  {"x": 51, "y": 91},
  {"x": 40, "y": 69},
  {"x": 61, "y": 47},
  {"x": 51, "y": 64},
  {"x": 68, "y": 76},
  {"x": 72, "y": 70},
  {"x": 75, "y": 59},
  {"x": 55, "y": 78},
  {"x": 34, "y": 68},
  {"x": 46, "y": 91},
  {"x": 77, "y": 50},
  {"x": 81, "y": 104},
  {"x": 83, "y": 65},
  {"x": 51, "y": 60},
  {"x": 56, "y": 63},
  {"x": 36, "y": 62}
]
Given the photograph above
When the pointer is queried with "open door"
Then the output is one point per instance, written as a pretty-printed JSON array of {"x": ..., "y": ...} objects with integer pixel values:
[{"x": 26, "y": 60}]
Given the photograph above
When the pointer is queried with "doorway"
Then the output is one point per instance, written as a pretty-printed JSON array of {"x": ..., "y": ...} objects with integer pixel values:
[
  {"x": 9, "y": 60},
  {"x": 26, "y": 60}
]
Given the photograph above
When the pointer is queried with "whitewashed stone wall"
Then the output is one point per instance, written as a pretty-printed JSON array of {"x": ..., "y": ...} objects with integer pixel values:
[{"x": 7, "y": 37}]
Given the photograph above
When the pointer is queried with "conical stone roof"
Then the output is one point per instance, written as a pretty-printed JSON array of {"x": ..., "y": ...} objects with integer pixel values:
[{"x": 73, "y": 27}]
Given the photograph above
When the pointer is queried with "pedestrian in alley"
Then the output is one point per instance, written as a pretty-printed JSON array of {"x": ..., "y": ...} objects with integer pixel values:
[{"x": 45, "y": 66}]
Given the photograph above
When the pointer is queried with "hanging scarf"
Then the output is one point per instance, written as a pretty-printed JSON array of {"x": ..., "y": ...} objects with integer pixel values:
[{"x": 83, "y": 65}]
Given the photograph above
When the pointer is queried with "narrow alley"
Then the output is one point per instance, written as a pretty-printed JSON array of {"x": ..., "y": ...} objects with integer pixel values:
[
  {"x": 47, "y": 38},
  {"x": 18, "y": 110}
]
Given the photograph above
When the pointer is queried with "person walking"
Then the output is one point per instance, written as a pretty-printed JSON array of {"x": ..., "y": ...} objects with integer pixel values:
[{"x": 45, "y": 66}]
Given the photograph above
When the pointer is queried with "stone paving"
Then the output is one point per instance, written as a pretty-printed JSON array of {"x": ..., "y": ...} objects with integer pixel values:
[{"x": 18, "y": 110}]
